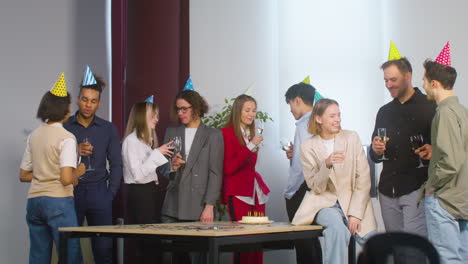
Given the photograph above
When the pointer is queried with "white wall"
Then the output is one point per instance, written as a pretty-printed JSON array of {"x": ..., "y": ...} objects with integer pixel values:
[
  {"x": 40, "y": 39},
  {"x": 420, "y": 29},
  {"x": 340, "y": 44}
]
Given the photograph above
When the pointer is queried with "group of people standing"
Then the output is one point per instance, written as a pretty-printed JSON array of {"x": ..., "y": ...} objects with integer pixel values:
[
  {"x": 329, "y": 177},
  {"x": 427, "y": 200},
  {"x": 424, "y": 194}
]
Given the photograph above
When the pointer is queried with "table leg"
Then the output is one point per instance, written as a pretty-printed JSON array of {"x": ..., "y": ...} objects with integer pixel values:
[
  {"x": 213, "y": 253},
  {"x": 63, "y": 248},
  {"x": 352, "y": 251}
]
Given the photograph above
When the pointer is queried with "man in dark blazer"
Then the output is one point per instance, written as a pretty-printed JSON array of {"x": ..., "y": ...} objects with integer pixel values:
[{"x": 195, "y": 186}]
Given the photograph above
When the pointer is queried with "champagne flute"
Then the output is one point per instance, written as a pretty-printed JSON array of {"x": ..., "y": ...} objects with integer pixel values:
[
  {"x": 339, "y": 146},
  {"x": 382, "y": 133},
  {"x": 417, "y": 141},
  {"x": 260, "y": 127},
  {"x": 177, "y": 144},
  {"x": 90, "y": 166}
]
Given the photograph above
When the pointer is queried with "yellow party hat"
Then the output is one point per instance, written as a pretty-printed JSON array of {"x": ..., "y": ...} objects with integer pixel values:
[
  {"x": 60, "y": 87},
  {"x": 393, "y": 54},
  {"x": 307, "y": 79}
]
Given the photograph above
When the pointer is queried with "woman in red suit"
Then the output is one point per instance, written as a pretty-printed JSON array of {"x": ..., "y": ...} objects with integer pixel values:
[{"x": 244, "y": 190}]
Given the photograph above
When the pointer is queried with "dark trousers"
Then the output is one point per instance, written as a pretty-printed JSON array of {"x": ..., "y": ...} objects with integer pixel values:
[
  {"x": 142, "y": 207},
  {"x": 184, "y": 257},
  {"x": 237, "y": 209},
  {"x": 94, "y": 201},
  {"x": 307, "y": 250}
]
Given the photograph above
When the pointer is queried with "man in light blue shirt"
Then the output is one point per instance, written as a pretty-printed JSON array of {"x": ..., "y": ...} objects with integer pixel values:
[{"x": 300, "y": 98}]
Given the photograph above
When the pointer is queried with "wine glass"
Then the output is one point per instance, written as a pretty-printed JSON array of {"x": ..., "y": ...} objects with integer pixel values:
[
  {"x": 339, "y": 146},
  {"x": 260, "y": 128},
  {"x": 285, "y": 144},
  {"x": 90, "y": 166},
  {"x": 417, "y": 141},
  {"x": 177, "y": 144},
  {"x": 382, "y": 133}
]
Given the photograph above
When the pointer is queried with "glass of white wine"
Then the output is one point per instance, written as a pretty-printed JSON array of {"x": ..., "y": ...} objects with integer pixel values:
[
  {"x": 90, "y": 166},
  {"x": 177, "y": 144},
  {"x": 285, "y": 144},
  {"x": 382, "y": 133},
  {"x": 260, "y": 126}
]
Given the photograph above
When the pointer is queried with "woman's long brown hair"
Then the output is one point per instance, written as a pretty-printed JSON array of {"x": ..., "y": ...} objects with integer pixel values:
[
  {"x": 137, "y": 121},
  {"x": 235, "y": 117}
]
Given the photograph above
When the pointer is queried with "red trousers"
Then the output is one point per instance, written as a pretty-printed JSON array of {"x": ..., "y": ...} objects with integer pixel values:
[{"x": 237, "y": 209}]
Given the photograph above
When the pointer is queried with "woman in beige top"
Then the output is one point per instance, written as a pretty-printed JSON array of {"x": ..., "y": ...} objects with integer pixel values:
[{"x": 337, "y": 173}]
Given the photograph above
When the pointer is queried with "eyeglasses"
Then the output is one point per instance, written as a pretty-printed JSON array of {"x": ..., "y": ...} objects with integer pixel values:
[{"x": 182, "y": 109}]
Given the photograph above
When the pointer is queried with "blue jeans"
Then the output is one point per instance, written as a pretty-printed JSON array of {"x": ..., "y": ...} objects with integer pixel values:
[
  {"x": 44, "y": 216},
  {"x": 448, "y": 234},
  {"x": 336, "y": 234}
]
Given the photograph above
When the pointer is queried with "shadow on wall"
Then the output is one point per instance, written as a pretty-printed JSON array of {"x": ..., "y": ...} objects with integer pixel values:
[{"x": 89, "y": 35}]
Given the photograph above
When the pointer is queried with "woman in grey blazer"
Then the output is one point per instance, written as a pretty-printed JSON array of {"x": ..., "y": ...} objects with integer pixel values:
[{"x": 196, "y": 185}]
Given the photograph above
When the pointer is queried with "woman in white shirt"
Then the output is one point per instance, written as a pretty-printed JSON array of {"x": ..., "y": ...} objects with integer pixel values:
[{"x": 141, "y": 157}]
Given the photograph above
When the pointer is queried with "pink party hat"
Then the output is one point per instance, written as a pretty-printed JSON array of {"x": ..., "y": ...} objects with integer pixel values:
[{"x": 444, "y": 56}]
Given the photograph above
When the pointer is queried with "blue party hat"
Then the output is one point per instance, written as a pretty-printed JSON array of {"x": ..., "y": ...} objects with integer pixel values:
[
  {"x": 317, "y": 97},
  {"x": 150, "y": 99},
  {"x": 189, "y": 84},
  {"x": 88, "y": 78}
]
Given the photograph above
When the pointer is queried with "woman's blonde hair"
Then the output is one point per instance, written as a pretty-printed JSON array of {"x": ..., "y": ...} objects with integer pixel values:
[
  {"x": 234, "y": 119},
  {"x": 319, "y": 108},
  {"x": 137, "y": 121}
]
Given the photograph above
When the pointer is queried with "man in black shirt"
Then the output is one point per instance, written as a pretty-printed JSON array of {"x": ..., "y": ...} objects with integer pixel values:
[{"x": 408, "y": 114}]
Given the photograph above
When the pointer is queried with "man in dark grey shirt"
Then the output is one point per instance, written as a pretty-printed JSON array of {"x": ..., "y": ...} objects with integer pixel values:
[{"x": 409, "y": 114}]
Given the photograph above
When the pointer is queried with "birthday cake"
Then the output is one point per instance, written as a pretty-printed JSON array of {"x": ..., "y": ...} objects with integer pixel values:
[{"x": 255, "y": 219}]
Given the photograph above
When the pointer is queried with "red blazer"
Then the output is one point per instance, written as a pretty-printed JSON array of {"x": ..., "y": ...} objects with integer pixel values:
[{"x": 239, "y": 168}]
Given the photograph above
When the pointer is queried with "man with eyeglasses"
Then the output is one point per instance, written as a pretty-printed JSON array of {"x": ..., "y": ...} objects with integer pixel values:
[{"x": 195, "y": 186}]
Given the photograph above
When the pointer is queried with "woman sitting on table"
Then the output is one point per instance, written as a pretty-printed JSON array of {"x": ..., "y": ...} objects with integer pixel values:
[
  {"x": 337, "y": 173},
  {"x": 244, "y": 190},
  {"x": 141, "y": 157}
]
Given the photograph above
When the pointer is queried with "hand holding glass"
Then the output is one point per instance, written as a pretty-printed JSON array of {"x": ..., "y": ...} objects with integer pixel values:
[
  {"x": 177, "y": 144},
  {"x": 285, "y": 144},
  {"x": 90, "y": 166},
  {"x": 339, "y": 148},
  {"x": 382, "y": 133},
  {"x": 417, "y": 142},
  {"x": 260, "y": 127}
]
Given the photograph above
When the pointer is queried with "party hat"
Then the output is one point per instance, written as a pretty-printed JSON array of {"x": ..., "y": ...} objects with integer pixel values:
[
  {"x": 189, "y": 84},
  {"x": 317, "y": 96},
  {"x": 393, "y": 53},
  {"x": 60, "y": 87},
  {"x": 88, "y": 78},
  {"x": 444, "y": 56},
  {"x": 150, "y": 99},
  {"x": 250, "y": 90}
]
